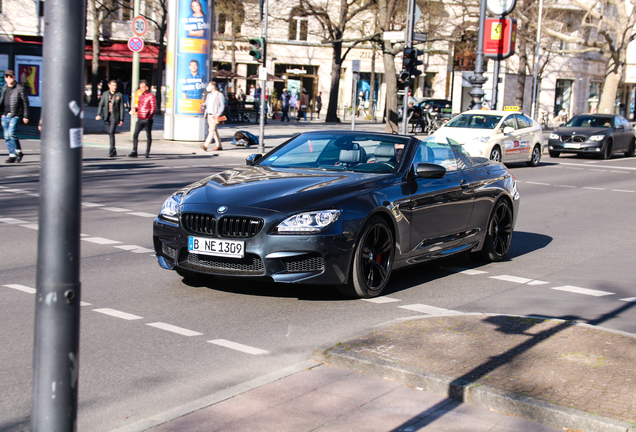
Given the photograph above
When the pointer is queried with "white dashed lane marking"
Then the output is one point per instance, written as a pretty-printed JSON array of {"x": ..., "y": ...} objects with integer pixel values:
[
  {"x": 537, "y": 183},
  {"x": 238, "y": 347},
  {"x": 30, "y": 226},
  {"x": 469, "y": 272},
  {"x": 90, "y": 204},
  {"x": 116, "y": 209},
  {"x": 174, "y": 329},
  {"x": 537, "y": 282},
  {"x": 514, "y": 279},
  {"x": 381, "y": 300},
  {"x": 585, "y": 291},
  {"x": 594, "y": 188},
  {"x": 431, "y": 310},
  {"x": 12, "y": 221},
  {"x": 630, "y": 299},
  {"x": 135, "y": 249},
  {"x": 100, "y": 240},
  {"x": 622, "y": 190},
  {"x": 142, "y": 214},
  {"x": 22, "y": 288},
  {"x": 118, "y": 314}
]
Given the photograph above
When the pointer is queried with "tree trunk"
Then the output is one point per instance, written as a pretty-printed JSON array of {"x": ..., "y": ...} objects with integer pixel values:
[
  {"x": 608, "y": 98},
  {"x": 521, "y": 74},
  {"x": 160, "y": 66},
  {"x": 95, "y": 61},
  {"x": 336, "y": 66},
  {"x": 391, "y": 89}
]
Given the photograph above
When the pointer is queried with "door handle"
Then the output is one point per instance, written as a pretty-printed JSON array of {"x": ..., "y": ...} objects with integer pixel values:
[{"x": 464, "y": 184}]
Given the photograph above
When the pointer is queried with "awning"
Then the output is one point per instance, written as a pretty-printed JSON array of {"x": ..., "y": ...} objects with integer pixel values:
[{"x": 120, "y": 52}]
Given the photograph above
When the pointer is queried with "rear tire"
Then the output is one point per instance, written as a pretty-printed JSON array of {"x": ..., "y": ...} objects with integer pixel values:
[
  {"x": 495, "y": 154},
  {"x": 372, "y": 261},
  {"x": 499, "y": 234},
  {"x": 631, "y": 152},
  {"x": 536, "y": 156},
  {"x": 554, "y": 154}
]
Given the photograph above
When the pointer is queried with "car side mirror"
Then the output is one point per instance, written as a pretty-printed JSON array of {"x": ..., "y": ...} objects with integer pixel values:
[
  {"x": 620, "y": 127},
  {"x": 251, "y": 159},
  {"x": 430, "y": 171},
  {"x": 508, "y": 130},
  {"x": 561, "y": 124}
]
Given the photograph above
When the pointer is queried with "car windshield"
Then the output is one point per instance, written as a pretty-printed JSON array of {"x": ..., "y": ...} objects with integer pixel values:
[
  {"x": 340, "y": 152},
  {"x": 590, "y": 121},
  {"x": 475, "y": 121}
]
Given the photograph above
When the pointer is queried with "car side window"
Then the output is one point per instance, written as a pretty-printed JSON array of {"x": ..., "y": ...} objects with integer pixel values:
[
  {"x": 510, "y": 122},
  {"x": 624, "y": 121},
  {"x": 523, "y": 121},
  {"x": 438, "y": 154}
]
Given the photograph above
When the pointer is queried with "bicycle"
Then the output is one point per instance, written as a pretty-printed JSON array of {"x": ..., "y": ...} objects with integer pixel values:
[{"x": 545, "y": 122}]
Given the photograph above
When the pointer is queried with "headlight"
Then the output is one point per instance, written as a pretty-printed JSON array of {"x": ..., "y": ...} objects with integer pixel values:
[
  {"x": 596, "y": 137},
  {"x": 309, "y": 222},
  {"x": 170, "y": 208},
  {"x": 554, "y": 136},
  {"x": 480, "y": 140}
]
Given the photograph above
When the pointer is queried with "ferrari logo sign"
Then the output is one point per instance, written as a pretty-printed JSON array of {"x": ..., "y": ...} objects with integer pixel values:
[{"x": 499, "y": 38}]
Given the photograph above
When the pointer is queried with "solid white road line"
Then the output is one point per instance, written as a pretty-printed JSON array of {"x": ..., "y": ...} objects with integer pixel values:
[
  {"x": 174, "y": 329},
  {"x": 622, "y": 190},
  {"x": 431, "y": 310},
  {"x": 469, "y": 272},
  {"x": 22, "y": 288},
  {"x": 135, "y": 249},
  {"x": 30, "y": 226},
  {"x": 118, "y": 314},
  {"x": 514, "y": 279},
  {"x": 537, "y": 282},
  {"x": 585, "y": 291},
  {"x": 116, "y": 209},
  {"x": 90, "y": 204},
  {"x": 100, "y": 240},
  {"x": 142, "y": 214},
  {"x": 381, "y": 300},
  {"x": 593, "y": 188},
  {"x": 537, "y": 183},
  {"x": 238, "y": 347},
  {"x": 12, "y": 221}
]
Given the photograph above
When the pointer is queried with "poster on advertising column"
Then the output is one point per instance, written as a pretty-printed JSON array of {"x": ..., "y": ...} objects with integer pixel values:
[
  {"x": 193, "y": 46},
  {"x": 28, "y": 72}
]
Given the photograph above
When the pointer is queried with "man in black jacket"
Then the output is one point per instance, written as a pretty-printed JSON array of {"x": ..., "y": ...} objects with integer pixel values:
[
  {"x": 112, "y": 103},
  {"x": 14, "y": 104}
]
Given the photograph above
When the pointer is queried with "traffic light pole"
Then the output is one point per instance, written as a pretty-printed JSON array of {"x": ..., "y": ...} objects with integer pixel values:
[
  {"x": 261, "y": 128},
  {"x": 408, "y": 43}
]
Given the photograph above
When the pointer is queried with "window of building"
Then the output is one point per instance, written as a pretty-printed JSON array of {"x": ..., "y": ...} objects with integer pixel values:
[
  {"x": 123, "y": 10},
  {"x": 220, "y": 24},
  {"x": 563, "y": 96},
  {"x": 593, "y": 98},
  {"x": 298, "y": 27}
]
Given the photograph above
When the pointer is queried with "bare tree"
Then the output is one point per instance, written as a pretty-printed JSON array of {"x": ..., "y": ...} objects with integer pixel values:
[
  {"x": 99, "y": 11},
  {"x": 234, "y": 11}
]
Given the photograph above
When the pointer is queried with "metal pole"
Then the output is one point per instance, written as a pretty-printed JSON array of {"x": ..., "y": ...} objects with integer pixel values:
[
  {"x": 495, "y": 85},
  {"x": 535, "y": 82},
  {"x": 134, "y": 84},
  {"x": 354, "y": 94},
  {"x": 478, "y": 79},
  {"x": 408, "y": 43},
  {"x": 261, "y": 129},
  {"x": 57, "y": 300}
]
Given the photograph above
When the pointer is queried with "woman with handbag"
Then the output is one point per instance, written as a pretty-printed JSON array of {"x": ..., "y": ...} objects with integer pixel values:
[
  {"x": 302, "y": 105},
  {"x": 214, "y": 107}
]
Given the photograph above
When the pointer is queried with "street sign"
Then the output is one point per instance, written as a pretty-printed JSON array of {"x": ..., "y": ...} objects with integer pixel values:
[
  {"x": 393, "y": 36},
  {"x": 135, "y": 44},
  {"x": 421, "y": 37},
  {"x": 139, "y": 25},
  {"x": 499, "y": 37},
  {"x": 416, "y": 15}
]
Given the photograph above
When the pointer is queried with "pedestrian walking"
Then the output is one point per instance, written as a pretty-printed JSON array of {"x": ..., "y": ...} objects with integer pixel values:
[
  {"x": 14, "y": 104},
  {"x": 303, "y": 103},
  {"x": 112, "y": 105},
  {"x": 285, "y": 97},
  {"x": 214, "y": 107},
  {"x": 318, "y": 105},
  {"x": 145, "y": 109}
]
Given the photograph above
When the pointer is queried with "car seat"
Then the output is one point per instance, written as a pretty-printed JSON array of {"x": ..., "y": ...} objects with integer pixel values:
[
  {"x": 353, "y": 156},
  {"x": 384, "y": 153}
]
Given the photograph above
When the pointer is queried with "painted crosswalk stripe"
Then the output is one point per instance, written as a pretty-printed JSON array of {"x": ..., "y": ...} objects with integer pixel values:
[
  {"x": 90, "y": 204},
  {"x": 238, "y": 347},
  {"x": 514, "y": 279},
  {"x": 537, "y": 183},
  {"x": 537, "y": 282},
  {"x": 174, "y": 329},
  {"x": 469, "y": 272},
  {"x": 381, "y": 300},
  {"x": 118, "y": 314},
  {"x": 585, "y": 291},
  {"x": 142, "y": 214},
  {"x": 431, "y": 310},
  {"x": 12, "y": 221},
  {"x": 135, "y": 249},
  {"x": 115, "y": 209},
  {"x": 22, "y": 288},
  {"x": 629, "y": 299},
  {"x": 623, "y": 190},
  {"x": 30, "y": 226},
  {"x": 100, "y": 240},
  {"x": 593, "y": 188}
]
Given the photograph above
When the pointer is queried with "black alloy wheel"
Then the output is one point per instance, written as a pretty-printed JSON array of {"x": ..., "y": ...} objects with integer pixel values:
[
  {"x": 495, "y": 154},
  {"x": 631, "y": 152},
  {"x": 499, "y": 235},
  {"x": 536, "y": 156},
  {"x": 607, "y": 153},
  {"x": 372, "y": 261}
]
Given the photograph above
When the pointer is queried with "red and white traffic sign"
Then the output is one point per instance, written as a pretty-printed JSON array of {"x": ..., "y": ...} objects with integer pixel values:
[
  {"x": 135, "y": 44},
  {"x": 139, "y": 25}
]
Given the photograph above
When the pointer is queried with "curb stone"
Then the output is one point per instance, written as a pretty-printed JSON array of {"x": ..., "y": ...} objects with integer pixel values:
[{"x": 478, "y": 395}]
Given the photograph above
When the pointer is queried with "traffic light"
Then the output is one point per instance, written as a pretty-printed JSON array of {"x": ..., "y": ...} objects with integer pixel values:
[
  {"x": 258, "y": 48},
  {"x": 410, "y": 63}
]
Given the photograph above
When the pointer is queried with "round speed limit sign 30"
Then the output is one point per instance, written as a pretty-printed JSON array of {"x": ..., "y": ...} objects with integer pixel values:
[{"x": 139, "y": 25}]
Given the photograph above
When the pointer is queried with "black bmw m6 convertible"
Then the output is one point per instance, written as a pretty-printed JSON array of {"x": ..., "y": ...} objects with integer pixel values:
[{"x": 340, "y": 208}]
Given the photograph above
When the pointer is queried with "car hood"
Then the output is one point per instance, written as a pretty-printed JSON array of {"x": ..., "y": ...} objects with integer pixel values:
[
  {"x": 463, "y": 135},
  {"x": 587, "y": 131},
  {"x": 281, "y": 190}
]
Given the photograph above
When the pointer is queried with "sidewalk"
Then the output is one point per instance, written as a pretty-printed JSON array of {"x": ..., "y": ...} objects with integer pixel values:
[{"x": 454, "y": 372}]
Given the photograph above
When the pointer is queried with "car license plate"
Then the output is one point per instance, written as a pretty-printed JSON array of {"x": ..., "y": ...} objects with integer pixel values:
[
  {"x": 217, "y": 247},
  {"x": 572, "y": 146}
]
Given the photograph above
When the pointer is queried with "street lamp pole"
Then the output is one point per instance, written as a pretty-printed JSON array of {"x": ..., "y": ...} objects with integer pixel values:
[
  {"x": 478, "y": 79},
  {"x": 535, "y": 82},
  {"x": 261, "y": 128}
]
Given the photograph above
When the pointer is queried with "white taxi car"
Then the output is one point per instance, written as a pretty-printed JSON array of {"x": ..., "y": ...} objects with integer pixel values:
[{"x": 503, "y": 136}]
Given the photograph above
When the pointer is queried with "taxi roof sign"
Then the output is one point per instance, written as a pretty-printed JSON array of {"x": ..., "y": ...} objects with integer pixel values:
[{"x": 512, "y": 108}]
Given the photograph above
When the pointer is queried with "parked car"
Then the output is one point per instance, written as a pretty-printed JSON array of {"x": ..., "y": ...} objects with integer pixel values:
[
  {"x": 502, "y": 136},
  {"x": 600, "y": 135},
  {"x": 340, "y": 208}
]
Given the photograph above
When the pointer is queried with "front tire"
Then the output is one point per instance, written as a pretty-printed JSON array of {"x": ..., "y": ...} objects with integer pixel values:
[
  {"x": 607, "y": 154},
  {"x": 536, "y": 156},
  {"x": 372, "y": 261},
  {"x": 499, "y": 234},
  {"x": 495, "y": 154},
  {"x": 631, "y": 152}
]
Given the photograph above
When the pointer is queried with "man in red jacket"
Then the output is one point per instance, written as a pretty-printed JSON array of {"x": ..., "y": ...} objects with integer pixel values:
[{"x": 145, "y": 109}]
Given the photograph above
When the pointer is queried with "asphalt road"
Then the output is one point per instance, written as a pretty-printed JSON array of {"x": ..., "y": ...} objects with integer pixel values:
[{"x": 151, "y": 342}]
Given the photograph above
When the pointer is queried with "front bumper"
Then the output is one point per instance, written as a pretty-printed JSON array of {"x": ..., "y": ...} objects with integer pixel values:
[
  {"x": 315, "y": 259},
  {"x": 586, "y": 147}
]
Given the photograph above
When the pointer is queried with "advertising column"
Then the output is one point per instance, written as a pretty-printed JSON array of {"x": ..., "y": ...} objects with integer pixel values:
[{"x": 187, "y": 65}]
